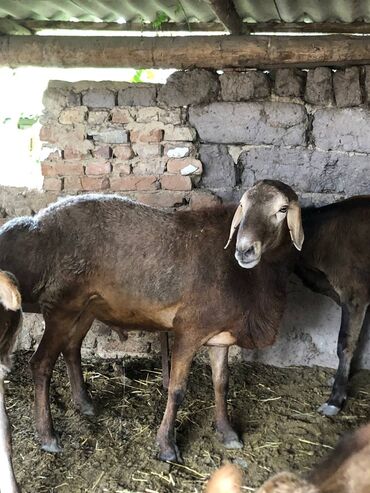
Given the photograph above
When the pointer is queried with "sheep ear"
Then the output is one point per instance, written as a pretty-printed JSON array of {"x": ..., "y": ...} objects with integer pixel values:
[
  {"x": 235, "y": 223},
  {"x": 294, "y": 220},
  {"x": 9, "y": 294}
]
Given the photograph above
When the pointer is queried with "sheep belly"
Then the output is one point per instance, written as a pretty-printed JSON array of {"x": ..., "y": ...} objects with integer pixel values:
[{"x": 143, "y": 316}]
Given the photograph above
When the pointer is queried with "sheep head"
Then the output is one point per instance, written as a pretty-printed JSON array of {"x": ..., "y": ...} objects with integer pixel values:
[{"x": 265, "y": 213}]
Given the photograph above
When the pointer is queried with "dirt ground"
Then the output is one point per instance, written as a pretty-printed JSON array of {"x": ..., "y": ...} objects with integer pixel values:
[{"x": 273, "y": 409}]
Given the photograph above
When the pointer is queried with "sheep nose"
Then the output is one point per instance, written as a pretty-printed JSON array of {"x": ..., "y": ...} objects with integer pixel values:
[
  {"x": 249, "y": 251},
  {"x": 248, "y": 255}
]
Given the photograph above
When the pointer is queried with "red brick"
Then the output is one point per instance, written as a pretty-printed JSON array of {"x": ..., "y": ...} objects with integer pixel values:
[
  {"x": 121, "y": 168},
  {"x": 122, "y": 115},
  {"x": 175, "y": 165},
  {"x": 147, "y": 150},
  {"x": 94, "y": 183},
  {"x": 97, "y": 117},
  {"x": 98, "y": 168},
  {"x": 153, "y": 135},
  {"x": 123, "y": 152},
  {"x": 48, "y": 168},
  {"x": 68, "y": 168},
  {"x": 77, "y": 114},
  {"x": 71, "y": 153},
  {"x": 63, "y": 134},
  {"x": 176, "y": 182},
  {"x": 52, "y": 184},
  {"x": 47, "y": 134},
  {"x": 203, "y": 199},
  {"x": 72, "y": 183},
  {"x": 103, "y": 151},
  {"x": 134, "y": 183}
]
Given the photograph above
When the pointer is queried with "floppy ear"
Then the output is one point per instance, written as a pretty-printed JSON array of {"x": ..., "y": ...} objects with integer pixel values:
[
  {"x": 9, "y": 294},
  {"x": 294, "y": 220},
  {"x": 235, "y": 223}
]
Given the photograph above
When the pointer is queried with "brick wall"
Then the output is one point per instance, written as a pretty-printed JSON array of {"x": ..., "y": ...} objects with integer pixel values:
[{"x": 202, "y": 138}]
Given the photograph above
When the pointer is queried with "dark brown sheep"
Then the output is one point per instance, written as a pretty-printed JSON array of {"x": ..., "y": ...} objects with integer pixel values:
[
  {"x": 335, "y": 261},
  {"x": 10, "y": 322},
  {"x": 134, "y": 266}
]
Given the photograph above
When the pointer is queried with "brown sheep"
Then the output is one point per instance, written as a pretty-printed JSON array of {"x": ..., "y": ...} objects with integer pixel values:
[
  {"x": 136, "y": 267},
  {"x": 345, "y": 470},
  {"x": 10, "y": 322},
  {"x": 335, "y": 261}
]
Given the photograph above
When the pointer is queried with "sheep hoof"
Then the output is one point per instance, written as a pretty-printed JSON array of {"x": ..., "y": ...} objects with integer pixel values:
[
  {"x": 233, "y": 444},
  {"x": 52, "y": 446},
  {"x": 171, "y": 455},
  {"x": 329, "y": 409}
]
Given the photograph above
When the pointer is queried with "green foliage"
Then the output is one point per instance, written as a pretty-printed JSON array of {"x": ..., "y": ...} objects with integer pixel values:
[
  {"x": 138, "y": 75},
  {"x": 160, "y": 18},
  {"x": 26, "y": 121}
]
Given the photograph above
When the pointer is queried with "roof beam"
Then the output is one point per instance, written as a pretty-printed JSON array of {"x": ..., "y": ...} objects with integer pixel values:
[
  {"x": 311, "y": 27},
  {"x": 34, "y": 26},
  {"x": 214, "y": 52},
  {"x": 27, "y": 27},
  {"x": 226, "y": 12}
]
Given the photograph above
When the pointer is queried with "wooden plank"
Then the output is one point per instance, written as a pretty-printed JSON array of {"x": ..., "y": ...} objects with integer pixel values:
[
  {"x": 213, "y": 52},
  {"x": 33, "y": 26},
  {"x": 26, "y": 27},
  {"x": 226, "y": 12},
  {"x": 310, "y": 27}
]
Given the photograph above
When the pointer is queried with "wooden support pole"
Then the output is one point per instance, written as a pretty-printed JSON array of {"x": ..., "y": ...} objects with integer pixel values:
[
  {"x": 213, "y": 52},
  {"x": 226, "y": 12}
]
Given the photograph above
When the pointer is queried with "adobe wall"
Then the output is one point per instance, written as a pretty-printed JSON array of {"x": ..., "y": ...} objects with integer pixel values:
[{"x": 202, "y": 138}]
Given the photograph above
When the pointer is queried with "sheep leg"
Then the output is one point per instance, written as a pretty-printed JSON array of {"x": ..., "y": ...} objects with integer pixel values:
[
  {"x": 72, "y": 357},
  {"x": 218, "y": 356},
  {"x": 42, "y": 364},
  {"x": 182, "y": 355},
  {"x": 165, "y": 353},
  {"x": 8, "y": 483},
  {"x": 351, "y": 322}
]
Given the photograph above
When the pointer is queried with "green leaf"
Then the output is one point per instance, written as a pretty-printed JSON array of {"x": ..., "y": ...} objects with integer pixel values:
[
  {"x": 26, "y": 122},
  {"x": 160, "y": 18}
]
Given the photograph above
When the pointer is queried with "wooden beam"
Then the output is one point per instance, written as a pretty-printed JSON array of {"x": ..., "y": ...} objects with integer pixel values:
[
  {"x": 226, "y": 12},
  {"x": 310, "y": 27},
  {"x": 27, "y": 27},
  {"x": 33, "y": 26},
  {"x": 214, "y": 52}
]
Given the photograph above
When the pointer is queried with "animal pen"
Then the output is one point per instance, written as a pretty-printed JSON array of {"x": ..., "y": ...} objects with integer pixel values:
[{"x": 275, "y": 90}]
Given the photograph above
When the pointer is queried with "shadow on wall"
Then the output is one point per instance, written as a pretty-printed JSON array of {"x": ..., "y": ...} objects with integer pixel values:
[{"x": 309, "y": 331}]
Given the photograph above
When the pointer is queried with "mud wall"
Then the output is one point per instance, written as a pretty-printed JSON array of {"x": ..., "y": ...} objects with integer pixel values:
[{"x": 200, "y": 139}]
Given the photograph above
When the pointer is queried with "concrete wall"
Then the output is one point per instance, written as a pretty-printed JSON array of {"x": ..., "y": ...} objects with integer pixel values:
[{"x": 203, "y": 138}]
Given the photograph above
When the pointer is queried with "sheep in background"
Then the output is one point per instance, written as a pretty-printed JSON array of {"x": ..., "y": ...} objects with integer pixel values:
[
  {"x": 10, "y": 323},
  {"x": 335, "y": 261}
]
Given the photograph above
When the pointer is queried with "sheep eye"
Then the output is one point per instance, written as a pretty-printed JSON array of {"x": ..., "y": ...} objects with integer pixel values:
[{"x": 284, "y": 209}]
